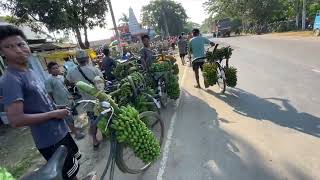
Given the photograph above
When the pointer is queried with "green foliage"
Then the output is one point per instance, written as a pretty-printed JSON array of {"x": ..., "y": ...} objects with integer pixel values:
[
  {"x": 157, "y": 12},
  {"x": 134, "y": 133},
  {"x": 124, "y": 18},
  {"x": 231, "y": 75},
  {"x": 72, "y": 15},
  {"x": 5, "y": 175},
  {"x": 262, "y": 16}
]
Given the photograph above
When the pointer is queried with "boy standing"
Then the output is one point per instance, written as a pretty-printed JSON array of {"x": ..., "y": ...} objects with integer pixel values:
[
  {"x": 147, "y": 55},
  {"x": 27, "y": 103},
  {"x": 56, "y": 88}
]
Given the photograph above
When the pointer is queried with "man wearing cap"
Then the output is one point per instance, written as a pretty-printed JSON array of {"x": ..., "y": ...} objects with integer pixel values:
[{"x": 86, "y": 73}]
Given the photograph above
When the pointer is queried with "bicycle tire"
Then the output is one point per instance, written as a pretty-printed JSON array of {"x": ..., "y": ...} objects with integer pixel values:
[
  {"x": 121, "y": 162},
  {"x": 222, "y": 84}
]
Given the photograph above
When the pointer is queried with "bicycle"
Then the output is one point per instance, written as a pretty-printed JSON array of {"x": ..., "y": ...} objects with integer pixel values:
[
  {"x": 221, "y": 81},
  {"x": 119, "y": 153}
]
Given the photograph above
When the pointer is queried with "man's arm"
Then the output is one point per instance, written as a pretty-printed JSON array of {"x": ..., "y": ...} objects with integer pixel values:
[
  {"x": 17, "y": 118},
  {"x": 207, "y": 41}
]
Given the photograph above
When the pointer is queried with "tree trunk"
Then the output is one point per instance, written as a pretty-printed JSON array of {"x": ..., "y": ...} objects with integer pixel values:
[
  {"x": 79, "y": 39},
  {"x": 86, "y": 41},
  {"x": 297, "y": 20},
  {"x": 304, "y": 14}
]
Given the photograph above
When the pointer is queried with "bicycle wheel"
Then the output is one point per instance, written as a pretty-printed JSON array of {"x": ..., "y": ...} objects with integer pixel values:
[
  {"x": 221, "y": 80},
  {"x": 126, "y": 159},
  {"x": 163, "y": 92}
]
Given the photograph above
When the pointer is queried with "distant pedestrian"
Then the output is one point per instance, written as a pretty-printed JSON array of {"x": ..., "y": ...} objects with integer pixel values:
[
  {"x": 183, "y": 48},
  {"x": 173, "y": 43},
  {"x": 108, "y": 64}
]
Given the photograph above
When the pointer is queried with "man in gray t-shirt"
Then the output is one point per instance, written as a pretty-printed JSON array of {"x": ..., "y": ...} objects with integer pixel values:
[
  {"x": 86, "y": 73},
  {"x": 27, "y": 103}
]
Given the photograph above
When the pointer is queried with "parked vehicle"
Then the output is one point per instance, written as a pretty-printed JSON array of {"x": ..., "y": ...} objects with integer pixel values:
[
  {"x": 222, "y": 28},
  {"x": 316, "y": 26}
]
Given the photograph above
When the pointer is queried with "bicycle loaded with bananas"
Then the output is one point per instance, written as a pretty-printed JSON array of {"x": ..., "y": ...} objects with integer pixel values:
[{"x": 217, "y": 71}]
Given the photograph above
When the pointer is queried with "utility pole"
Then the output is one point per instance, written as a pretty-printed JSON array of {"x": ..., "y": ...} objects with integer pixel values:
[
  {"x": 115, "y": 26},
  {"x": 304, "y": 14}
]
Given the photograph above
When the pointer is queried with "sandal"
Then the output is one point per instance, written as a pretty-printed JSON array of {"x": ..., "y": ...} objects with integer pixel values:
[
  {"x": 79, "y": 136},
  {"x": 197, "y": 86}
]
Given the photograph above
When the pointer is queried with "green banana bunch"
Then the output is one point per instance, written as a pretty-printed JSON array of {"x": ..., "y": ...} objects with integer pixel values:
[
  {"x": 143, "y": 104},
  {"x": 133, "y": 132},
  {"x": 227, "y": 51},
  {"x": 122, "y": 70},
  {"x": 173, "y": 88},
  {"x": 138, "y": 79},
  {"x": 210, "y": 73},
  {"x": 231, "y": 76},
  {"x": 175, "y": 69},
  {"x": 219, "y": 54},
  {"x": 161, "y": 66}
]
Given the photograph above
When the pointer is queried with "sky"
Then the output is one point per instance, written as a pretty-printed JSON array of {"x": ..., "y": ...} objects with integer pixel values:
[{"x": 194, "y": 9}]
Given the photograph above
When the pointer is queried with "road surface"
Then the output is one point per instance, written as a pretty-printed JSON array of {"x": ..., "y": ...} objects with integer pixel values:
[{"x": 268, "y": 128}]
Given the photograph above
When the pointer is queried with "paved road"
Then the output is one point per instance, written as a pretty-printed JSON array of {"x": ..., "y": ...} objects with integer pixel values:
[{"x": 266, "y": 128}]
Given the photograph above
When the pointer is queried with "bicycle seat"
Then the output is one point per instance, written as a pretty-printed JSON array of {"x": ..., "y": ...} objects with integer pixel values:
[{"x": 53, "y": 169}]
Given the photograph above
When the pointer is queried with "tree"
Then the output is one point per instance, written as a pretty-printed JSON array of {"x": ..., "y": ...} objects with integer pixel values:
[
  {"x": 251, "y": 12},
  {"x": 165, "y": 15},
  {"x": 61, "y": 15},
  {"x": 124, "y": 19},
  {"x": 261, "y": 13}
]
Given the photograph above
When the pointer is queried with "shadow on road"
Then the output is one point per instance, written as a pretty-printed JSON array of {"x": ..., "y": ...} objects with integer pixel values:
[
  {"x": 281, "y": 112},
  {"x": 202, "y": 150}
]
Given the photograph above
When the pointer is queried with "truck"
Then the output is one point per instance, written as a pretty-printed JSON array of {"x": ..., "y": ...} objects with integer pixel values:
[
  {"x": 222, "y": 28},
  {"x": 316, "y": 26}
]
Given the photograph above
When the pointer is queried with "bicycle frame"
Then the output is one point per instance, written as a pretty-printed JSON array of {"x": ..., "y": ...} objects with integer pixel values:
[{"x": 113, "y": 142}]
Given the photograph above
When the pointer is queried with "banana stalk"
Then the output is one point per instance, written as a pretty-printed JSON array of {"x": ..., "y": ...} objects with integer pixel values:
[{"x": 100, "y": 95}]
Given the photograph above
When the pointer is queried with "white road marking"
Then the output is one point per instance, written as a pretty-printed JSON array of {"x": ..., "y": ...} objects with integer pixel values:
[
  {"x": 169, "y": 135},
  {"x": 316, "y": 70}
]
